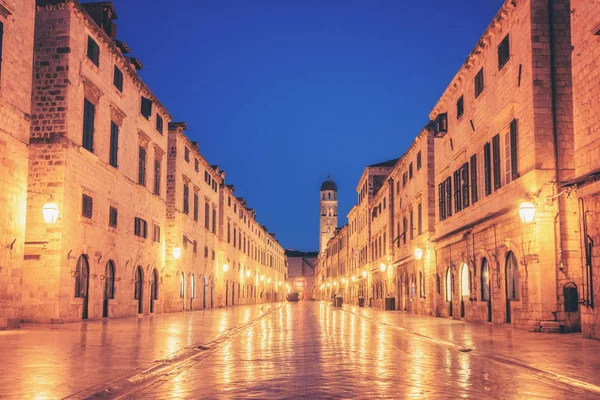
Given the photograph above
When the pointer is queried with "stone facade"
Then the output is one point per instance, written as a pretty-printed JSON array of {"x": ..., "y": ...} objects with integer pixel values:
[
  {"x": 17, "y": 19},
  {"x": 585, "y": 36},
  {"x": 301, "y": 269},
  {"x": 103, "y": 148},
  {"x": 500, "y": 138}
]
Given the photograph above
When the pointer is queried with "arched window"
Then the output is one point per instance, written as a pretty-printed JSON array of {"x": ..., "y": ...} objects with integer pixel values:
[
  {"x": 485, "y": 280},
  {"x": 465, "y": 280},
  {"x": 449, "y": 284},
  {"x": 192, "y": 286},
  {"x": 109, "y": 280},
  {"x": 512, "y": 277},
  {"x": 81, "y": 277},
  {"x": 182, "y": 285},
  {"x": 329, "y": 195}
]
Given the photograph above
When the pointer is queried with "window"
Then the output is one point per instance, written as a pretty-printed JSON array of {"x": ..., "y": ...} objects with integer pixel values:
[
  {"x": 114, "y": 145},
  {"x": 412, "y": 226},
  {"x": 196, "y": 207},
  {"x": 89, "y": 109},
  {"x": 479, "y": 83},
  {"x": 457, "y": 191},
  {"x": 140, "y": 228},
  {"x": 118, "y": 79},
  {"x": 234, "y": 237},
  {"x": 186, "y": 154},
  {"x": 206, "y": 251},
  {"x": 419, "y": 161},
  {"x": 464, "y": 177},
  {"x": 186, "y": 198},
  {"x": 419, "y": 219},
  {"x": 474, "y": 179},
  {"x": 512, "y": 277},
  {"x": 156, "y": 233},
  {"x": 440, "y": 125},
  {"x": 214, "y": 221},
  {"x": 503, "y": 52},
  {"x": 159, "y": 123},
  {"x": 86, "y": 206},
  {"x": 228, "y": 232},
  {"x": 404, "y": 229},
  {"x": 229, "y": 201},
  {"x": 142, "y": 166},
  {"x": 197, "y": 167},
  {"x": 410, "y": 171},
  {"x": 460, "y": 107},
  {"x": 487, "y": 168},
  {"x": 1, "y": 41},
  {"x": 496, "y": 162},
  {"x": 448, "y": 191},
  {"x": 206, "y": 215},
  {"x": 404, "y": 179},
  {"x": 112, "y": 217},
  {"x": 157, "y": 176},
  {"x": 93, "y": 51},
  {"x": 146, "y": 107},
  {"x": 195, "y": 247}
]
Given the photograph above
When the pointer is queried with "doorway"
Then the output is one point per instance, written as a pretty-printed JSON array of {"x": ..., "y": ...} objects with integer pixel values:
[
  {"x": 153, "y": 289},
  {"x": 232, "y": 293},
  {"x": 109, "y": 287},
  {"x": 486, "y": 294},
  {"x": 138, "y": 289},
  {"x": 512, "y": 283},
  {"x": 226, "y": 293},
  {"x": 192, "y": 291},
  {"x": 449, "y": 290},
  {"x": 82, "y": 283},
  {"x": 204, "y": 292},
  {"x": 465, "y": 287}
]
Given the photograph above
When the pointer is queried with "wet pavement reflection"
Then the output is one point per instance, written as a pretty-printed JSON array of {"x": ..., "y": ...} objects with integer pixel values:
[{"x": 312, "y": 350}]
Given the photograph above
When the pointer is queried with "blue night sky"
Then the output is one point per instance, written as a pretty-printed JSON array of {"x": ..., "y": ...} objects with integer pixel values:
[{"x": 279, "y": 93}]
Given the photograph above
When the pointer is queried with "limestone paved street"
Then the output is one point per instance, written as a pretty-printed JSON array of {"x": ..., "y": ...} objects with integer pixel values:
[{"x": 288, "y": 350}]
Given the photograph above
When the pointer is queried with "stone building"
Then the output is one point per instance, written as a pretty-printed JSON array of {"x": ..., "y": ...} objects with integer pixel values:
[
  {"x": 503, "y": 139},
  {"x": 585, "y": 36},
  {"x": 98, "y": 145},
  {"x": 16, "y": 52},
  {"x": 140, "y": 212},
  {"x": 412, "y": 203},
  {"x": 301, "y": 272},
  {"x": 329, "y": 212}
]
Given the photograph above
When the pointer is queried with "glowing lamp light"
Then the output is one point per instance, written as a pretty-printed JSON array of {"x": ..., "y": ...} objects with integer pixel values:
[
  {"x": 50, "y": 212},
  {"x": 328, "y": 284},
  {"x": 248, "y": 273},
  {"x": 279, "y": 284},
  {"x": 343, "y": 280},
  {"x": 418, "y": 253},
  {"x": 177, "y": 253},
  {"x": 269, "y": 280},
  {"x": 353, "y": 278},
  {"x": 382, "y": 267},
  {"x": 262, "y": 277},
  {"x": 335, "y": 283},
  {"x": 527, "y": 212},
  {"x": 364, "y": 274},
  {"x": 225, "y": 267}
]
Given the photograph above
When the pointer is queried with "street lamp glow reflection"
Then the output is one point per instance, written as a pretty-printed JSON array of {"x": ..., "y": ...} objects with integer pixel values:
[
  {"x": 527, "y": 212},
  {"x": 50, "y": 212},
  {"x": 177, "y": 253},
  {"x": 418, "y": 253}
]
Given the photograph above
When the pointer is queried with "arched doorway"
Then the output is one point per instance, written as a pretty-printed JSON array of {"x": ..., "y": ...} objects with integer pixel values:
[
  {"x": 512, "y": 282},
  {"x": 204, "y": 292},
  {"x": 182, "y": 289},
  {"x": 449, "y": 289},
  {"x": 486, "y": 294},
  {"x": 406, "y": 291},
  {"x": 226, "y": 293},
  {"x": 192, "y": 291},
  {"x": 153, "y": 289},
  {"x": 465, "y": 287},
  {"x": 139, "y": 288},
  {"x": 232, "y": 293},
  {"x": 109, "y": 287},
  {"x": 82, "y": 283}
]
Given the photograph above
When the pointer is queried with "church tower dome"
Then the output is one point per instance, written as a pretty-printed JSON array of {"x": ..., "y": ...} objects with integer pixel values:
[{"x": 329, "y": 212}]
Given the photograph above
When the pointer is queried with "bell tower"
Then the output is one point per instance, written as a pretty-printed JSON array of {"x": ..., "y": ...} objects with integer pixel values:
[{"x": 329, "y": 212}]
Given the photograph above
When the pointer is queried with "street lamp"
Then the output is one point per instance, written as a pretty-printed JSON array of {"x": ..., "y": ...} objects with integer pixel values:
[
  {"x": 418, "y": 253},
  {"x": 177, "y": 253},
  {"x": 247, "y": 273},
  {"x": 269, "y": 280},
  {"x": 50, "y": 212},
  {"x": 364, "y": 274},
  {"x": 262, "y": 277},
  {"x": 225, "y": 267},
  {"x": 279, "y": 283},
  {"x": 527, "y": 212},
  {"x": 382, "y": 267}
]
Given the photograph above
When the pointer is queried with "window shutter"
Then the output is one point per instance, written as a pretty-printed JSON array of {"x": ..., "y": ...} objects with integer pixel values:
[
  {"x": 118, "y": 79},
  {"x": 112, "y": 217},
  {"x": 448, "y": 197},
  {"x": 89, "y": 110},
  {"x": 487, "y": 168},
  {"x": 419, "y": 219},
  {"x": 195, "y": 206},
  {"x": 442, "y": 201},
  {"x": 142, "y": 167},
  {"x": 114, "y": 144},
  {"x": 465, "y": 184},
  {"x": 186, "y": 196},
  {"x": 159, "y": 123},
  {"x": 496, "y": 162},
  {"x": 474, "y": 179},
  {"x": 457, "y": 190},
  {"x": 157, "y": 177},
  {"x": 86, "y": 206},
  {"x": 1, "y": 41},
  {"x": 514, "y": 150},
  {"x": 146, "y": 109}
]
